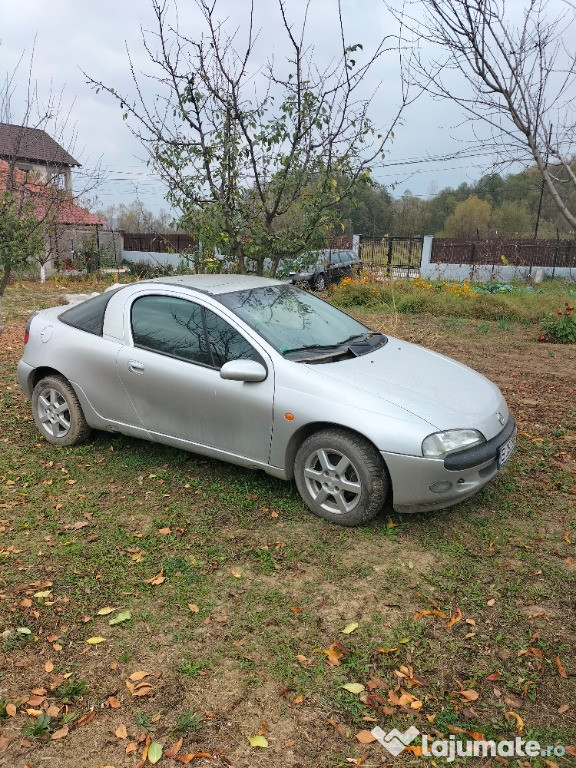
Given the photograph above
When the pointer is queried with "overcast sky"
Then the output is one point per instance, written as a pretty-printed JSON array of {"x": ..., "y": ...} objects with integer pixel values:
[{"x": 69, "y": 36}]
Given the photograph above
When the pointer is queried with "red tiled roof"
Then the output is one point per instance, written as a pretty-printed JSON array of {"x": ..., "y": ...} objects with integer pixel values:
[
  {"x": 47, "y": 201},
  {"x": 18, "y": 142}
]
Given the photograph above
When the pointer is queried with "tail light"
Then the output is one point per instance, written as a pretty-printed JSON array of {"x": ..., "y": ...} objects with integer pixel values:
[{"x": 27, "y": 331}]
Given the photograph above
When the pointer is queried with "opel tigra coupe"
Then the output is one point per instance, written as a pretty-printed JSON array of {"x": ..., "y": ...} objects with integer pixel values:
[{"x": 259, "y": 373}]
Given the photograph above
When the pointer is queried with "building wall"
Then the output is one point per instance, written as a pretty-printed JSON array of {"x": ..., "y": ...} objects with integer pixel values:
[{"x": 57, "y": 175}]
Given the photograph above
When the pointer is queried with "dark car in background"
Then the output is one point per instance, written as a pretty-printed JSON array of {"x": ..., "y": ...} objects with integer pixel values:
[{"x": 318, "y": 269}]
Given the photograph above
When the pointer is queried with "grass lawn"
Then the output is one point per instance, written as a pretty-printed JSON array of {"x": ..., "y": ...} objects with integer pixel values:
[{"x": 153, "y": 601}]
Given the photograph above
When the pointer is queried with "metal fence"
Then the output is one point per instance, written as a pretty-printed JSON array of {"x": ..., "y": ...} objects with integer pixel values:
[
  {"x": 151, "y": 242},
  {"x": 514, "y": 253}
]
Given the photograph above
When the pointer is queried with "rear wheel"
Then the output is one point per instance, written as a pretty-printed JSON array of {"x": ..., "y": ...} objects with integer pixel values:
[
  {"x": 57, "y": 412},
  {"x": 320, "y": 282},
  {"x": 341, "y": 477}
]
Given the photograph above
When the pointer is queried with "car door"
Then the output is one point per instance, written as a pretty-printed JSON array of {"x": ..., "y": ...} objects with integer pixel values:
[
  {"x": 335, "y": 267},
  {"x": 346, "y": 263},
  {"x": 171, "y": 374}
]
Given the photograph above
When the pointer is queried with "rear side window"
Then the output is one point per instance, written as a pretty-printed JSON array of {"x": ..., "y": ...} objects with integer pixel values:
[{"x": 89, "y": 315}]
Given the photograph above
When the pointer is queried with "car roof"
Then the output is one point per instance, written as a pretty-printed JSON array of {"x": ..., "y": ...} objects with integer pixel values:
[{"x": 217, "y": 284}]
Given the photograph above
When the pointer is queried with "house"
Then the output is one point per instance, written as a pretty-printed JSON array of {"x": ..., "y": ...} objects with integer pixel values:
[
  {"x": 37, "y": 168},
  {"x": 33, "y": 151}
]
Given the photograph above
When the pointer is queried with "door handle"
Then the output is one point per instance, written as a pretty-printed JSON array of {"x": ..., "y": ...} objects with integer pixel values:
[{"x": 135, "y": 366}]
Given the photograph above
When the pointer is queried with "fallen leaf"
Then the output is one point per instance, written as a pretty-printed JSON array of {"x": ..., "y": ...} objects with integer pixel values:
[
  {"x": 137, "y": 676},
  {"x": 354, "y": 687},
  {"x": 174, "y": 749},
  {"x": 560, "y": 668},
  {"x": 469, "y": 695},
  {"x": 156, "y": 580},
  {"x": 95, "y": 640},
  {"x": 189, "y": 756},
  {"x": 120, "y": 617},
  {"x": 164, "y": 531},
  {"x": 386, "y": 650},
  {"x": 11, "y": 710},
  {"x": 4, "y": 743},
  {"x": 415, "y": 749},
  {"x": 113, "y": 702},
  {"x": 419, "y": 614},
  {"x": 350, "y": 628},
  {"x": 86, "y": 718},
  {"x": 258, "y": 741},
  {"x": 193, "y": 607},
  {"x": 491, "y": 602},
  {"x": 519, "y": 721},
  {"x": 563, "y": 709},
  {"x": 532, "y": 651},
  {"x": 494, "y": 676},
  {"x": 154, "y": 752},
  {"x": 142, "y": 690},
  {"x": 365, "y": 737},
  {"x": 454, "y": 618},
  {"x": 49, "y": 666},
  {"x": 121, "y": 732},
  {"x": 60, "y": 733}
]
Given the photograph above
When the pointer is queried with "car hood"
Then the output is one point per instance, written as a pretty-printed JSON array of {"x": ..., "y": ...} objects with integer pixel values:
[{"x": 443, "y": 392}]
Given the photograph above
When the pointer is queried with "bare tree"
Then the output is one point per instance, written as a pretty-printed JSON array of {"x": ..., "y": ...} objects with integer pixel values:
[
  {"x": 256, "y": 157},
  {"x": 516, "y": 77}
]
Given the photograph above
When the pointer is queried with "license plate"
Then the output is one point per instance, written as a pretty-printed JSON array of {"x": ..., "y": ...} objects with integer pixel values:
[{"x": 506, "y": 450}]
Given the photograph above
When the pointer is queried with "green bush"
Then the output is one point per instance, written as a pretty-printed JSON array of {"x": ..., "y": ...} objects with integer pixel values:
[{"x": 561, "y": 327}]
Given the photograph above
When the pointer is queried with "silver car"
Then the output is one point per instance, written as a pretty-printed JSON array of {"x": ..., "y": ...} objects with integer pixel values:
[{"x": 262, "y": 374}]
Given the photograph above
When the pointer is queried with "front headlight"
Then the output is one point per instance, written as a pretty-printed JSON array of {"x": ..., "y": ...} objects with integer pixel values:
[{"x": 440, "y": 444}]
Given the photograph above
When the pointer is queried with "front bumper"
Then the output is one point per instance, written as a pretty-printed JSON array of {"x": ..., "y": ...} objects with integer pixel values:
[{"x": 422, "y": 484}]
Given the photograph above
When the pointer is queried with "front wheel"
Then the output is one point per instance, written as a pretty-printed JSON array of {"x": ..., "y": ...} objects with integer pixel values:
[
  {"x": 57, "y": 412},
  {"x": 341, "y": 477}
]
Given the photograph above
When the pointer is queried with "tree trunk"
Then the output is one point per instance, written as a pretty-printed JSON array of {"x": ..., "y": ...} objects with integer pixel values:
[
  {"x": 5, "y": 278},
  {"x": 42, "y": 273}
]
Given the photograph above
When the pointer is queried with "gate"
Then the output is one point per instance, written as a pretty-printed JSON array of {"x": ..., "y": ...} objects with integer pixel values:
[{"x": 393, "y": 256}]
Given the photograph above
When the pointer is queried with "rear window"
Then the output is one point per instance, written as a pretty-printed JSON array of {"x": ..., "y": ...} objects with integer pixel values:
[{"x": 89, "y": 315}]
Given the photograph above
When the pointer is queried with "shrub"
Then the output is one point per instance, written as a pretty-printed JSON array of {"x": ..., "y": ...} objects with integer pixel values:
[
  {"x": 360, "y": 291},
  {"x": 561, "y": 327}
]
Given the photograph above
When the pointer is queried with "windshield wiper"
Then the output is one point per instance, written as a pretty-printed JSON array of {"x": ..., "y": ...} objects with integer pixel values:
[
  {"x": 308, "y": 347},
  {"x": 355, "y": 339}
]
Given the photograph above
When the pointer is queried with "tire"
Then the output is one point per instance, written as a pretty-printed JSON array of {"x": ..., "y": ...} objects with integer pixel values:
[
  {"x": 57, "y": 412},
  {"x": 320, "y": 282},
  {"x": 325, "y": 461}
]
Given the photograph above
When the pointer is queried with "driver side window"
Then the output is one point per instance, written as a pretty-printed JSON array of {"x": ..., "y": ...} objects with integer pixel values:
[{"x": 187, "y": 331}]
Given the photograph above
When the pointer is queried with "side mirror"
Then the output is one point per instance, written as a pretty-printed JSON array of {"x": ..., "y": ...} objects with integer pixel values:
[{"x": 243, "y": 370}]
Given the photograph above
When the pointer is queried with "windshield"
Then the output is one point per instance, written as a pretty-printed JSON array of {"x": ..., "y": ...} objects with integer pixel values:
[{"x": 292, "y": 320}]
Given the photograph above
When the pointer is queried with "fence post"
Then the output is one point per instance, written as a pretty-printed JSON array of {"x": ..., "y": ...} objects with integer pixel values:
[
  {"x": 555, "y": 255},
  {"x": 426, "y": 256},
  {"x": 389, "y": 257}
]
